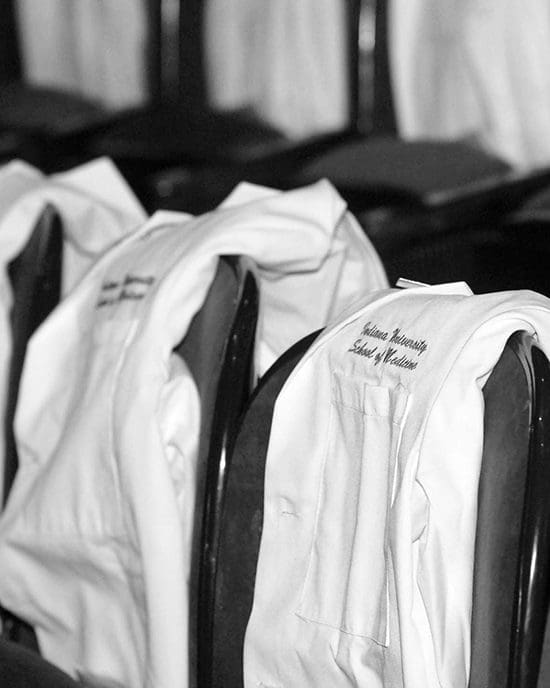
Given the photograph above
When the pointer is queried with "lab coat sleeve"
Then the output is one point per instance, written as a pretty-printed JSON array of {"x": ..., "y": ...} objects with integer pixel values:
[{"x": 159, "y": 477}]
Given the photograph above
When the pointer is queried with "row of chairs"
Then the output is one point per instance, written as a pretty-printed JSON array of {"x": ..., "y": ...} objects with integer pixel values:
[
  {"x": 179, "y": 153},
  {"x": 512, "y": 563}
]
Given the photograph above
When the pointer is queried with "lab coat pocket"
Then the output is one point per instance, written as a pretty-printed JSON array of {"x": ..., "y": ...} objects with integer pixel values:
[{"x": 346, "y": 584}]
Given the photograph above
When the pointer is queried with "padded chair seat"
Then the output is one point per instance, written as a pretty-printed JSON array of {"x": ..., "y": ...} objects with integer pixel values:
[
  {"x": 241, "y": 528},
  {"x": 175, "y": 134},
  {"x": 15, "y": 144},
  {"x": 419, "y": 170},
  {"x": 538, "y": 206},
  {"x": 47, "y": 112},
  {"x": 488, "y": 257}
]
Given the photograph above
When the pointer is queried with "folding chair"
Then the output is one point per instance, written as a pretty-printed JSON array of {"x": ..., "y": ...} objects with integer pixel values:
[
  {"x": 50, "y": 127},
  {"x": 183, "y": 154},
  {"x": 180, "y": 129},
  {"x": 34, "y": 121},
  {"x": 367, "y": 162},
  {"x": 512, "y": 567},
  {"x": 401, "y": 189},
  {"x": 219, "y": 350}
]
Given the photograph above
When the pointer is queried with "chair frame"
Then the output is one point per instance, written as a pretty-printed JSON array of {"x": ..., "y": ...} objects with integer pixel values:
[
  {"x": 512, "y": 561},
  {"x": 532, "y": 595},
  {"x": 234, "y": 389}
]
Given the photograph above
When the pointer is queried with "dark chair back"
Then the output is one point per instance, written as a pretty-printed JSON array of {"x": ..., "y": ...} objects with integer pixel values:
[
  {"x": 35, "y": 277},
  {"x": 218, "y": 349},
  {"x": 241, "y": 526},
  {"x": 488, "y": 253},
  {"x": 225, "y": 380}
]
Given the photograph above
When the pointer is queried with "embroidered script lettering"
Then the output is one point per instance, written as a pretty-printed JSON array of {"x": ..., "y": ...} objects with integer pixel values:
[
  {"x": 371, "y": 330},
  {"x": 392, "y": 354},
  {"x": 131, "y": 288},
  {"x": 418, "y": 345}
]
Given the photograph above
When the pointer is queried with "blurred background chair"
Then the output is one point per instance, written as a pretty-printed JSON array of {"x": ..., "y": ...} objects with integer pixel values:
[
  {"x": 44, "y": 116},
  {"x": 184, "y": 152},
  {"x": 376, "y": 171},
  {"x": 512, "y": 562},
  {"x": 491, "y": 249},
  {"x": 180, "y": 151},
  {"x": 402, "y": 190},
  {"x": 37, "y": 123}
]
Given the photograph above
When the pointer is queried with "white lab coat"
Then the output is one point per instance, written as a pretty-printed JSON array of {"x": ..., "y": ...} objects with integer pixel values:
[
  {"x": 285, "y": 60},
  {"x": 365, "y": 567},
  {"x": 97, "y": 209},
  {"x": 474, "y": 69},
  {"x": 94, "y": 48},
  {"x": 95, "y": 540}
]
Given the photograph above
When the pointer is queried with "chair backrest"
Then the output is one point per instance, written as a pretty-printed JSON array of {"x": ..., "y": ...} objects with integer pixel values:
[
  {"x": 512, "y": 557},
  {"x": 191, "y": 59},
  {"x": 512, "y": 569},
  {"x": 35, "y": 276},
  {"x": 239, "y": 538},
  {"x": 22, "y": 668},
  {"x": 218, "y": 349}
]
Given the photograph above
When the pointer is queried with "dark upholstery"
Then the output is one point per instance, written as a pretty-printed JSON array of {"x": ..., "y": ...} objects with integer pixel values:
[
  {"x": 22, "y": 668},
  {"x": 35, "y": 277},
  {"x": 422, "y": 169},
  {"x": 46, "y": 111},
  {"x": 489, "y": 256},
  {"x": 241, "y": 526},
  {"x": 218, "y": 349}
]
